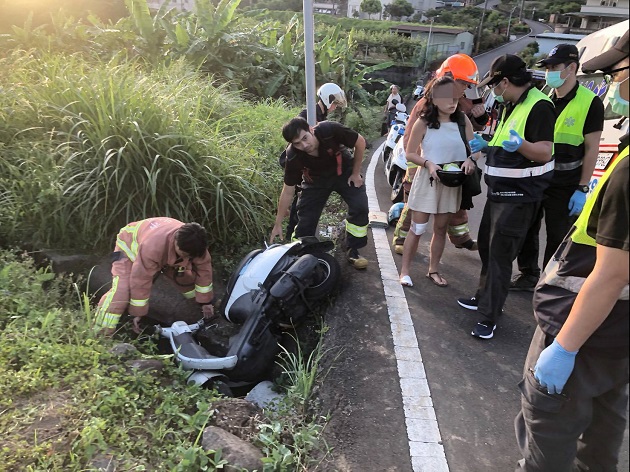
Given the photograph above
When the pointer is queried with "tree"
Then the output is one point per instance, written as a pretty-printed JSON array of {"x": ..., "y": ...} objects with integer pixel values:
[
  {"x": 399, "y": 8},
  {"x": 371, "y": 7}
]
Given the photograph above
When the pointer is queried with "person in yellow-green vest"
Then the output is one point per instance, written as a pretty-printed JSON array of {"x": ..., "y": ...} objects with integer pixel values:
[
  {"x": 574, "y": 392},
  {"x": 519, "y": 167},
  {"x": 579, "y": 125}
]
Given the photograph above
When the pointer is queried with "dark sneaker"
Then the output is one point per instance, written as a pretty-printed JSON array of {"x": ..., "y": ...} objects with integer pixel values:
[
  {"x": 523, "y": 283},
  {"x": 471, "y": 245},
  {"x": 484, "y": 330},
  {"x": 356, "y": 259},
  {"x": 468, "y": 303}
]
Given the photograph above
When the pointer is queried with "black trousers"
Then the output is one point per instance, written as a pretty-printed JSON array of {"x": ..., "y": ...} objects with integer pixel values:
[
  {"x": 293, "y": 217},
  {"x": 583, "y": 428},
  {"x": 555, "y": 209},
  {"x": 313, "y": 199},
  {"x": 501, "y": 234}
]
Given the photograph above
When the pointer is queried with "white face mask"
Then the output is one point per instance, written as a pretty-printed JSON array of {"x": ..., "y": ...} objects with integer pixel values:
[{"x": 618, "y": 104}]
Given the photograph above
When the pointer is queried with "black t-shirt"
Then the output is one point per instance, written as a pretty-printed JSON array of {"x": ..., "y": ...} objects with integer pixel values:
[
  {"x": 595, "y": 116},
  {"x": 332, "y": 137},
  {"x": 566, "y": 152},
  {"x": 540, "y": 122},
  {"x": 609, "y": 222}
]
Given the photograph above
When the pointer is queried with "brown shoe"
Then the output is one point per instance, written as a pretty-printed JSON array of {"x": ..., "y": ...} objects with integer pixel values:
[
  {"x": 356, "y": 259},
  {"x": 398, "y": 248}
]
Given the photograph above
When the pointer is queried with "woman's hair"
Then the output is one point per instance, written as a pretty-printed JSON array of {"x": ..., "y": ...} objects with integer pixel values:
[{"x": 430, "y": 112}]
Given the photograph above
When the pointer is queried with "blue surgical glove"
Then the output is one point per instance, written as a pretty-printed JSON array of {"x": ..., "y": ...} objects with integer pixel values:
[
  {"x": 554, "y": 367},
  {"x": 477, "y": 143},
  {"x": 578, "y": 199},
  {"x": 514, "y": 143}
]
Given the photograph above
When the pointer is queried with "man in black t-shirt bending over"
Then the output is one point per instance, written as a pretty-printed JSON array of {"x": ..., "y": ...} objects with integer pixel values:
[{"x": 318, "y": 161}]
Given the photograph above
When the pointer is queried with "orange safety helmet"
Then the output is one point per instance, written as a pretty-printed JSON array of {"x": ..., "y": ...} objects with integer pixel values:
[{"x": 460, "y": 67}]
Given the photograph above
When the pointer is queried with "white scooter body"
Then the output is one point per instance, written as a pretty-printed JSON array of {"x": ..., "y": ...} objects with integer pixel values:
[
  {"x": 395, "y": 168},
  {"x": 256, "y": 270}
]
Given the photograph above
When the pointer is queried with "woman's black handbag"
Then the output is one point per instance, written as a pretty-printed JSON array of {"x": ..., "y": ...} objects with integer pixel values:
[{"x": 472, "y": 184}]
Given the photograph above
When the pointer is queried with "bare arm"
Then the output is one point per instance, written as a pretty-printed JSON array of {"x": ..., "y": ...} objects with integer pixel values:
[
  {"x": 286, "y": 197},
  {"x": 591, "y": 149},
  {"x": 413, "y": 153},
  {"x": 596, "y": 298},
  {"x": 538, "y": 152},
  {"x": 359, "y": 151}
]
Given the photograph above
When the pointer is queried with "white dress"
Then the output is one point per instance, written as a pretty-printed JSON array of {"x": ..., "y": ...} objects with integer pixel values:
[{"x": 440, "y": 146}]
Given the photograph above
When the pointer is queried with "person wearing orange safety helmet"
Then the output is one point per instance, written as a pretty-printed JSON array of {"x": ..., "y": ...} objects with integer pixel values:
[{"x": 463, "y": 69}]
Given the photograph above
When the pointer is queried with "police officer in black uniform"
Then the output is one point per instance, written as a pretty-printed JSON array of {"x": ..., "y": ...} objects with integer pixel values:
[
  {"x": 519, "y": 168},
  {"x": 576, "y": 144}
]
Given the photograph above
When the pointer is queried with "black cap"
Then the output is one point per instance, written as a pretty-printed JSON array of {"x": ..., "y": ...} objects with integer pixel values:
[
  {"x": 561, "y": 54},
  {"x": 507, "y": 65},
  {"x": 607, "y": 60}
]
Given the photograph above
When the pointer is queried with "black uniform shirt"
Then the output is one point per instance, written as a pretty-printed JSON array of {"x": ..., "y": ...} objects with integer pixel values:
[
  {"x": 540, "y": 122},
  {"x": 562, "y": 152},
  {"x": 332, "y": 136}
]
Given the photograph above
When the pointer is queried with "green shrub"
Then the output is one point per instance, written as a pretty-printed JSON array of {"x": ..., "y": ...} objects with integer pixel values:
[{"x": 115, "y": 143}]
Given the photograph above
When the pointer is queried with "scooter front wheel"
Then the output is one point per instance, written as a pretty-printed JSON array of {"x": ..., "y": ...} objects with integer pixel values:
[{"x": 327, "y": 273}]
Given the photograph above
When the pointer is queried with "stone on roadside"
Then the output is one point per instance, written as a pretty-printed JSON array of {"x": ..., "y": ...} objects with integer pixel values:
[
  {"x": 264, "y": 396},
  {"x": 238, "y": 453}
]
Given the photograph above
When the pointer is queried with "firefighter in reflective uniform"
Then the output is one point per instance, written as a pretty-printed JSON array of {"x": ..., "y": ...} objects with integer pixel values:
[
  {"x": 576, "y": 143},
  {"x": 519, "y": 167},
  {"x": 318, "y": 161},
  {"x": 143, "y": 250},
  {"x": 574, "y": 394},
  {"x": 463, "y": 69}
]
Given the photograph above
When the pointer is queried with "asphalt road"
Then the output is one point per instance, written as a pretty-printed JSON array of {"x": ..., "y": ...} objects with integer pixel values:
[
  {"x": 484, "y": 60},
  {"x": 473, "y": 383}
]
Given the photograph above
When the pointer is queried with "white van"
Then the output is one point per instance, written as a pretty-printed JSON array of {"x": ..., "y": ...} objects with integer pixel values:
[{"x": 615, "y": 126}]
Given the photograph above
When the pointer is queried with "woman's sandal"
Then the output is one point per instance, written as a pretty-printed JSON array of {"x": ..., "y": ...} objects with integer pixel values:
[
  {"x": 405, "y": 281},
  {"x": 440, "y": 282}
]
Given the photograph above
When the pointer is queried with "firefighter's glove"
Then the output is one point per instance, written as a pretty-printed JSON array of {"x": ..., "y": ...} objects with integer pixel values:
[
  {"x": 578, "y": 199},
  {"x": 554, "y": 367},
  {"x": 513, "y": 143},
  {"x": 477, "y": 143}
]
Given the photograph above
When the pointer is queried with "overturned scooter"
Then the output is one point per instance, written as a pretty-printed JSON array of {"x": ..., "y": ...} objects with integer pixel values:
[{"x": 272, "y": 289}]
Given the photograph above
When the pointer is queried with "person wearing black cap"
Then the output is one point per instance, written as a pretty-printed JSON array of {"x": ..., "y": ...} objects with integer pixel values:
[
  {"x": 575, "y": 380},
  {"x": 519, "y": 167},
  {"x": 579, "y": 126}
]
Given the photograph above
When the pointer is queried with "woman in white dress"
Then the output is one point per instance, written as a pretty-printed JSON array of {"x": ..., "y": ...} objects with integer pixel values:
[{"x": 435, "y": 142}]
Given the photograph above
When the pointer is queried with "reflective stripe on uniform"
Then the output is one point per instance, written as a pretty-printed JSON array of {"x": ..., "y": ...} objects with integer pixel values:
[
  {"x": 519, "y": 173},
  {"x": 568, "y": 165},
  {"x": 189, "y": 294},
  {"x": 102, "y": 315},
  {"x": 459, "y": 230},
  {"x": 106, "y": 320},
  {"x": 132, "y": 251},
  {"x": 134, "y": 302},
  {"x": 203, "y": 288},
  {"x": 571, "y": 283},
  {"x": 356, "y": 231}
]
